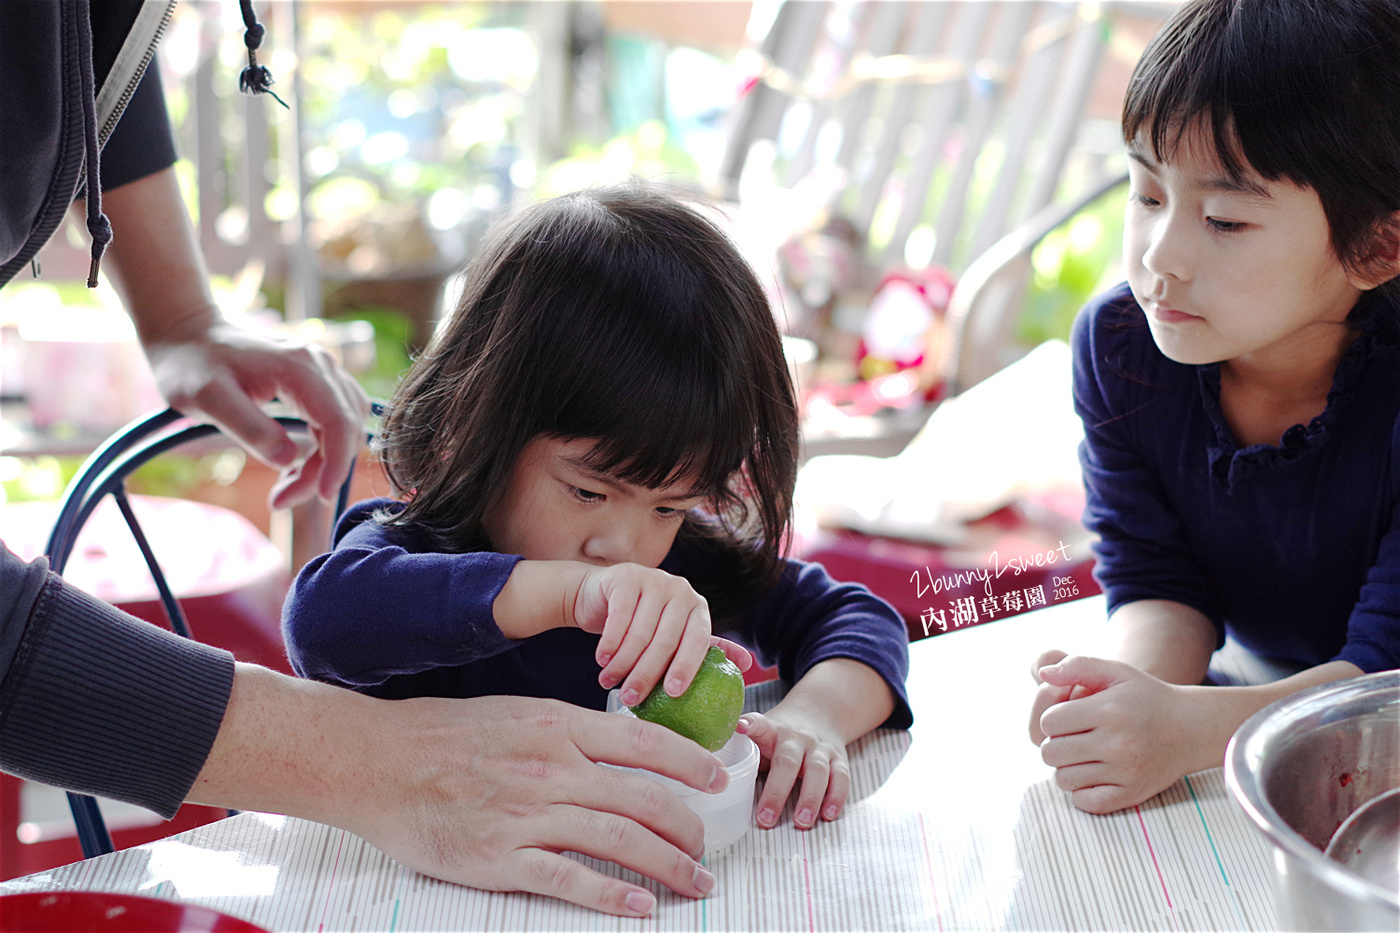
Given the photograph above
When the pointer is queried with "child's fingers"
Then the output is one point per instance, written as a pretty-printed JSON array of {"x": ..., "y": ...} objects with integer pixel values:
[
  {"x": 741, "y": 656},
  {"x": 1063, "y": 751},
  {"x": 761, "y": 729},
  {"x": 1046, "y": 696},
  {"x": 783, "y": 768},
  {"x": 656, "y": 632},
  {"x": 695, "y": 642},
  {"x": 637, "y": 624},
  {"x": 1053, "y": 656},
  {"x": 816, "y": 778},
  {"x": 1080, "y": 776},
  {"x": 1093, "y": 674},
  {"x": 1106, "y": 798},
  {"x": 838, "y": 789},
  {"x": 620, "y": 598}
]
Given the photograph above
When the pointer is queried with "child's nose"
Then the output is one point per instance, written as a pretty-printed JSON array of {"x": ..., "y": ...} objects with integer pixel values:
[
  {"x": 614, "y": 543},
  {"x": 1166, "y": 255}
]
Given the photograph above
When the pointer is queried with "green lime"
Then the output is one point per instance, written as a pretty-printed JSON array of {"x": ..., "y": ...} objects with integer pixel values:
[{"x": 709, "y": 709}]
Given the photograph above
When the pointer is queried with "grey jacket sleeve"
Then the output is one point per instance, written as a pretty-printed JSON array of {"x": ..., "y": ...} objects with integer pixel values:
[{"x": 97, "y": 701}]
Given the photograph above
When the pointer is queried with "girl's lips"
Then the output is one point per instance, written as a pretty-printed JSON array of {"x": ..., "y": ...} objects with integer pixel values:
[{"x": 1171, "y": 315}]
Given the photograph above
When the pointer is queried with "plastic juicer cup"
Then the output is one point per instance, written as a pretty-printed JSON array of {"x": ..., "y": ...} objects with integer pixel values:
[{"x": 728, "y": 814}]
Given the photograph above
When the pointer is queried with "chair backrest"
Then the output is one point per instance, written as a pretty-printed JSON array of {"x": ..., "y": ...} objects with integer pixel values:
[
  {"x": 103, "y": 474},
  {"x": 953, "y": 124}
]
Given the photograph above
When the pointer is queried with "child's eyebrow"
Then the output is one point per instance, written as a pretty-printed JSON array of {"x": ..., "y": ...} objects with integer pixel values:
[
  {"x": 1224, "y": 183},
  {"x": 581, "y": 463}
]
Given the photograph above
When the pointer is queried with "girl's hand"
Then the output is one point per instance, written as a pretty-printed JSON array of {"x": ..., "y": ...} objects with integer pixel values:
[
  {"x": 795, "y": 745},
  {"x": 1048, "y": 694},
  {"x": 652, "y": 624},
  {"x": 1119, "y": 736}
]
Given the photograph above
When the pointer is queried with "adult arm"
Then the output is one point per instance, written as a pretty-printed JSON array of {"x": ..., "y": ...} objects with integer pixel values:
[
  {"x": 208, "y": 367},
  {"x": 483, "y": 792}
]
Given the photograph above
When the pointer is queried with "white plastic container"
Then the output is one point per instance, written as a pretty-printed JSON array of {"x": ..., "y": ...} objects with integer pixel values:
[{"x": 728, "y": 814}]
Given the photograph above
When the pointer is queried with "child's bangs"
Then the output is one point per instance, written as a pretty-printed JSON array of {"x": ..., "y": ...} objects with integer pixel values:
[
  {"x": 653, "y": 444},
  {"x": 1170, "y": 99}
]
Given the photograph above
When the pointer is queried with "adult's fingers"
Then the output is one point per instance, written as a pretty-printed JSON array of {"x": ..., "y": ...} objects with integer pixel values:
[
  {"x": 334, "y": 406},
  {"x": 633, "y": 743},
  {"x": 223, "y": 402},
  {"x": 557, "y": 875},
  {"x": 617, "y": 839}
]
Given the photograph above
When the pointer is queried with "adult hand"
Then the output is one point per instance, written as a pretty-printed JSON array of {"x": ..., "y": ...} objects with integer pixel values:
[
  {"x": 485, "y": 792},
  {"x": 217, "y": 371},
  {"x": 206, "y": 367}
]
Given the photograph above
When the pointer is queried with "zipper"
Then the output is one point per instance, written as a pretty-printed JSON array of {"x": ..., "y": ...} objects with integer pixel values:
[{"x": 110, "y": 123}]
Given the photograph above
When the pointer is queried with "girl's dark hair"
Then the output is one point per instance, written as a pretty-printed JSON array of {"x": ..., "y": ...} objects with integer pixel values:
[
  {"x": 620, "y": 314},
  {"x": 1303, "y": 90}
]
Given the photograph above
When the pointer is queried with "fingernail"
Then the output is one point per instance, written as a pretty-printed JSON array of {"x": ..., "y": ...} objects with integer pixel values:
[
  {"x": 673, "y": 687},
  {"x": 766, "y": 817},
  {"x": 640, "y": 902},
  {"x": 719, "y": 779},
  {"x": 630, "y": 697},
  {"x": 830, "y": 812},
  {"x": 603, "y": 659},
  {"x": 286, "y": 453},
  {"x": 803, "y": 817},
  {"x": 704, "y": 881}
]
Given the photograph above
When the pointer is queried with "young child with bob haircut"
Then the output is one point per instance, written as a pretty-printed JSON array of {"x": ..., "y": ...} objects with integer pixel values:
[
  {"x": 1241, "y": 392},
  {"x": 595, "y": 460}
]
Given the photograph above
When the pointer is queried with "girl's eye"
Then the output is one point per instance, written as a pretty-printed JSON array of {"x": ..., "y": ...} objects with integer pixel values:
[
  {"x": 584, "y": 495},
  {"x": 667, "y": 512},
  {"x": 1142, "y": 199},
  {"x": 1224, "y": 226}
]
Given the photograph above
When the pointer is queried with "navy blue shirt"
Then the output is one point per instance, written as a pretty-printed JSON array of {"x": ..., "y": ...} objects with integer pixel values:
[
  {"x": 386, "y": 614},
  {"x": 1294, "y": 549}
]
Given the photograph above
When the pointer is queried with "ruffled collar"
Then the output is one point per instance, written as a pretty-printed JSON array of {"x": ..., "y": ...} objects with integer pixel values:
[{"x": 1376, "y": 318}]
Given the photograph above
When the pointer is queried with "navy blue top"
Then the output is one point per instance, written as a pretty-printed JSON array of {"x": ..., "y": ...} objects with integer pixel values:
[
  {"x": 386, "y": 614},
  {"x": 1294, "y": 549}
]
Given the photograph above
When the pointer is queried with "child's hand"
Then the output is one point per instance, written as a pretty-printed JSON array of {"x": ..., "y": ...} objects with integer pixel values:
[
  {"x": 1048, "y": 694},
  {"x": 799, "y": 745},
  {"x": 1118, "y": 735},
  {"x": 652, "y": 623}
]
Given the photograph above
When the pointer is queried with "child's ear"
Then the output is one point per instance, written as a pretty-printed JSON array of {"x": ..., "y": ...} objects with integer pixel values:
[{"x": 1382, "y": 260}]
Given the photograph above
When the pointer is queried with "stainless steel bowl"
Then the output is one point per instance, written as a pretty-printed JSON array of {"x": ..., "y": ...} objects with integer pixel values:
[{"x": 1300, "y": 767}]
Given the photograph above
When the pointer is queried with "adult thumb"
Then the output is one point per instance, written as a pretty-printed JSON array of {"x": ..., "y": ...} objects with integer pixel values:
[{"x": 1090, "y": 674}]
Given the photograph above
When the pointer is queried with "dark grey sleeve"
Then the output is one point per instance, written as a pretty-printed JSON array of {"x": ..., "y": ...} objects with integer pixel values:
[{"x": 97, "y": 701}]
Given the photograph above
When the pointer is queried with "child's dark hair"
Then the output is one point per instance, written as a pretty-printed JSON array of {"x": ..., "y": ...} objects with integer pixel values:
[
  {"x": 620, "y": 314},
  {"x": 1303, "y": 90}
]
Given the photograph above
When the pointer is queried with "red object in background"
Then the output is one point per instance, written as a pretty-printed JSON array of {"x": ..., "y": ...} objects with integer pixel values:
[
  {"x": 99, "y": 912},
  {"x": 916, "y": 577},
  {"x": 230, "y": 580}
]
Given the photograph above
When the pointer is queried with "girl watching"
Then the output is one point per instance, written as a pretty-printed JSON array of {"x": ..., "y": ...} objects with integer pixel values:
[{"x": 1241, "y": 392}]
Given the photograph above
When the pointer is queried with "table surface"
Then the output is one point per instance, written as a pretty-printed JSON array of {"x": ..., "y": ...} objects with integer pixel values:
[{"x": 956, "y": 824}]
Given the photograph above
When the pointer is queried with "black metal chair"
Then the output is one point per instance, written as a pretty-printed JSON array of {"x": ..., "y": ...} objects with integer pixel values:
[{"x": 105, "y": 473}]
